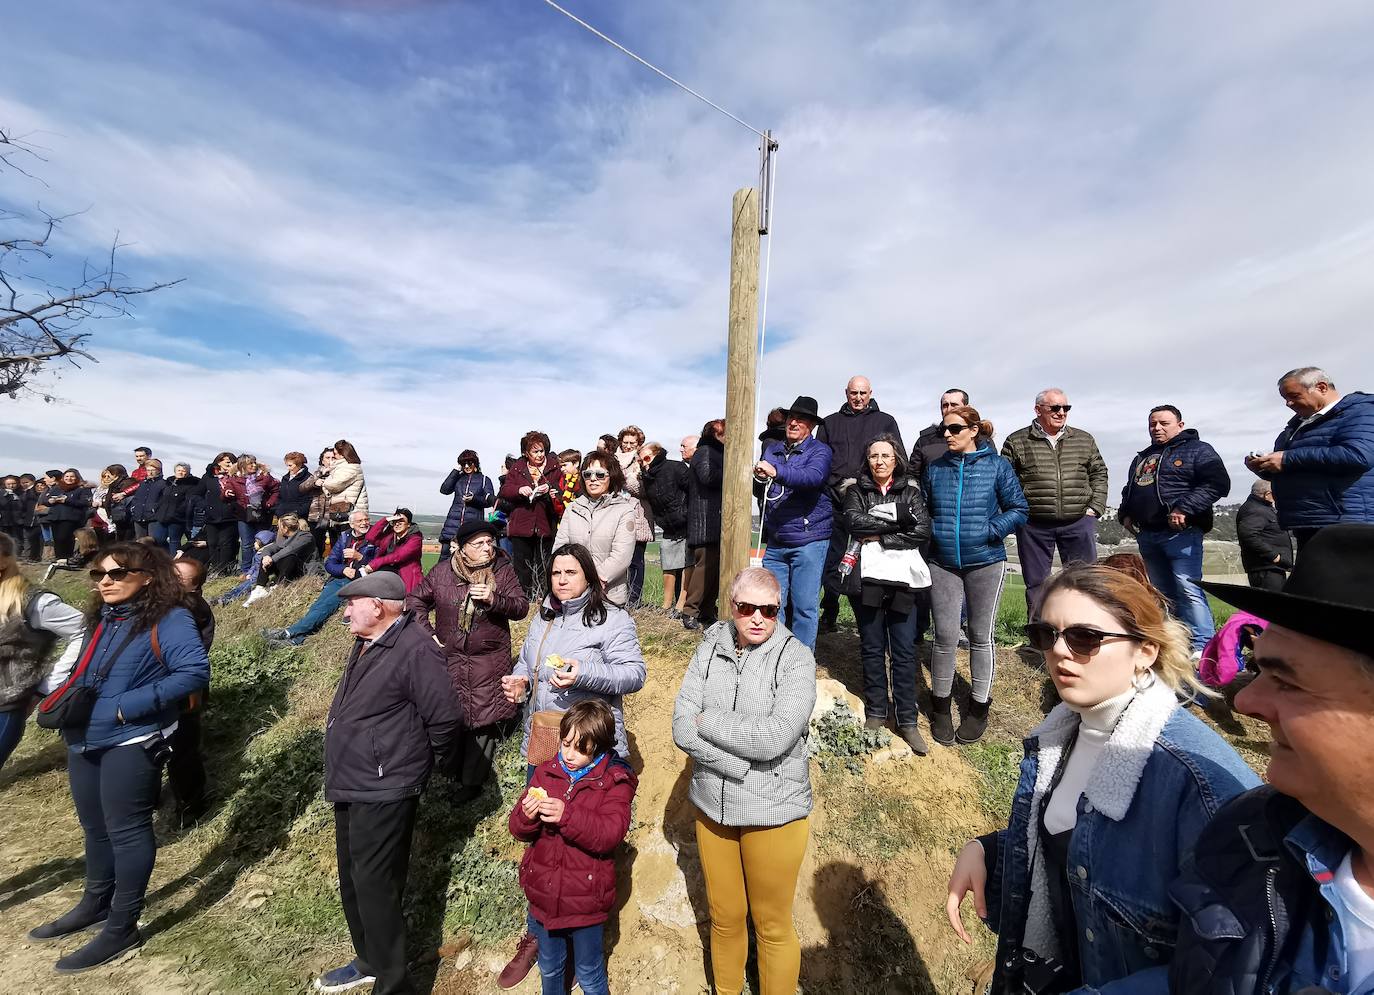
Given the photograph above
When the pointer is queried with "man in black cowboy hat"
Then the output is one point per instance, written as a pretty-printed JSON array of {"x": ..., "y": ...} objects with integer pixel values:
[
  {"x": 797, "y": 514},
  {"x": 1279, "y": 896}
]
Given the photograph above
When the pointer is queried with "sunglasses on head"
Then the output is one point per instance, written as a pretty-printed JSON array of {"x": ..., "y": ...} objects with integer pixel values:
[
  {"x": 594, "y": 474},
  {"x": 1082, "y": 640},
  {"x": 1057, "y": 408},
  {"x": 953, "y": 429},
  {"x": 117, "y": 574},
  {"x": 745, "y": 610}
]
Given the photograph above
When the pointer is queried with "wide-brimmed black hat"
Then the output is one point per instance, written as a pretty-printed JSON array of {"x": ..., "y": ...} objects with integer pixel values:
[
  {"x": 470, "y": 529},
  {"x": 1328, "y": 596},
  {"x": 805, "y": 406}
]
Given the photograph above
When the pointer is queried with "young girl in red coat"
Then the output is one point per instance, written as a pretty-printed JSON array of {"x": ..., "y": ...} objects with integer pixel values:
[{"x": 575, "y": 812}]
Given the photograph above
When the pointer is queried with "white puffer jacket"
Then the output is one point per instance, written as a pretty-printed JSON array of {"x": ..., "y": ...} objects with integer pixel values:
[{"x": 345, "y": 483}]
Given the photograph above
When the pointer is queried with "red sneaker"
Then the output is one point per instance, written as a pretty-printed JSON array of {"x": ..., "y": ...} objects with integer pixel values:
[{"x": 526, "y": 955}]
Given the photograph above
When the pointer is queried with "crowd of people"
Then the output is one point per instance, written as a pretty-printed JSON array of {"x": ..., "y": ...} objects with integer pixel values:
[{"x": 1266, "y": 888}]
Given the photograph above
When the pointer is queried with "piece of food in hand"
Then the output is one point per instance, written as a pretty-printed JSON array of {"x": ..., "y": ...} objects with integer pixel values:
[
  {"x": 556, "y": 662},
  {"x": 538, "y": 794}
]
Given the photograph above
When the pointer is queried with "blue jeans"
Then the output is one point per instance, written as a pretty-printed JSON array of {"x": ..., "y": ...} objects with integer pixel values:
[
  {"x": 1174, "y": 562},
  {"x": 589, "y": 958},
  {"x": 799, "y": 569},
  {"x": 883, "y": 631},
  {"x": 246, "y": 534},
  {"x": 11, "y": 732},
  {"x": 318, "y": 613},
  {"x": 175, "y": 532}
]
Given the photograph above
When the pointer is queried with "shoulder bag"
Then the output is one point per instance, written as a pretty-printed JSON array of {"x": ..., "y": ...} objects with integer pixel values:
[{"x": 70, "y": 706}]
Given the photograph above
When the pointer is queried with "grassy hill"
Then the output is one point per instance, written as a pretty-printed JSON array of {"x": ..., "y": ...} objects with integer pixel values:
[{"x": 247, "y": 902}]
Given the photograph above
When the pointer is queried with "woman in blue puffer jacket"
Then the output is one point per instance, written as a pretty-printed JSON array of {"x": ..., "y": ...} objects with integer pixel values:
[
  {"x": 143, "y": 657},
  {"x": 472, "y": 495},
  {"x": 975, "y": 503}
]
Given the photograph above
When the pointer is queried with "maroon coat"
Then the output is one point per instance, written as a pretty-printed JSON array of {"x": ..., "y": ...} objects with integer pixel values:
[
  {"x": 238, "y": 486},
  {"x": 569, "y": 873},
  {"x": 525, "y": 519},
  {"x": 401, "y": 557},
  {"x": 479, "y": 658}
]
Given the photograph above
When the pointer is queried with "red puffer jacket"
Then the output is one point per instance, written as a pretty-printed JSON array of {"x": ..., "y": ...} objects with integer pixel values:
[{"x": 569, "y": 873}]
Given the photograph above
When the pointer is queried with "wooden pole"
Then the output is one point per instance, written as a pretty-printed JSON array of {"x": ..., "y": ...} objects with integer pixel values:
[{"x": 737, "y": 501}]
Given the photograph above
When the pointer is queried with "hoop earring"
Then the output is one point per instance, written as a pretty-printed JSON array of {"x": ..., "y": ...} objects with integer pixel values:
[{"x": 1137, "y": 683}]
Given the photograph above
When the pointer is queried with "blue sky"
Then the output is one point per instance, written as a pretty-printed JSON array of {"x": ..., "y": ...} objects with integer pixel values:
[{"x": 431, "y": 225}]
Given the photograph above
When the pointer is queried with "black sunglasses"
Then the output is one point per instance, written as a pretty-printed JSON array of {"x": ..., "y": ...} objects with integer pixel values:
[
  {"x": 745, "y": 610},
  {"x": 953, "y": 429},
  {"x": 1082, "y": 640},
  {"x": 1056, "y": 408},
  {"x": 116, "y": 575}
]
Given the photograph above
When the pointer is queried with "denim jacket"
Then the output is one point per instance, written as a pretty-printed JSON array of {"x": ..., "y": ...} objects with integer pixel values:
[{"x": 1162, "y": 775}]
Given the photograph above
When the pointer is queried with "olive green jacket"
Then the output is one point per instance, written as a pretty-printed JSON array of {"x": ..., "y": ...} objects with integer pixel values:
[{"x": 1061, "y": 482}]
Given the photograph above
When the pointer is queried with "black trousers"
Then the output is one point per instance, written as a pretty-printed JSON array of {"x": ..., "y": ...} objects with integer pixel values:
[
  {"x": 372, "y": 841},
  {"x": 281, "y": 569},
  {"x": 186, "y": 767},
  {"x": 1267, "y": 580},
  {"x": 64, "y": 539},
  {"x": 532, "y": 563},
  {"x": 222, "y": 540},
  {"x": 33, "y": 542}
]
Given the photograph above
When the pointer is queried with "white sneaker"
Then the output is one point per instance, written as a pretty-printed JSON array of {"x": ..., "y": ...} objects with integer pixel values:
[{"x": 257, "y": 594}]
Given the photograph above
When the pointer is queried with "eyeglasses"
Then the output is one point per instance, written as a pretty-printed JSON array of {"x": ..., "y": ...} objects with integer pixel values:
[
  {"x": 1082, "y": 640},
  {"x": 953, "y": 429},
  {"x": 117, "y": 574},
  {"x": 1057, "y": 408},
  {"x": 594, "y": 474},
  {"x": 744, "y": 609}
]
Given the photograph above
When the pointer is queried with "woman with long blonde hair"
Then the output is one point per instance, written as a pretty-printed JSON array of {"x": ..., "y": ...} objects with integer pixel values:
[{"x": 33, "y": 622}]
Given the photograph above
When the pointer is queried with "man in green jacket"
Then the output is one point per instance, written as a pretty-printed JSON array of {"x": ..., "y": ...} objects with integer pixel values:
[{"x": 1065, "y": 481}]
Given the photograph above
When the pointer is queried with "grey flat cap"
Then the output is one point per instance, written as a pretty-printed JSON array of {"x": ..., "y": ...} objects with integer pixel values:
[{"x": 383, "y": 584}]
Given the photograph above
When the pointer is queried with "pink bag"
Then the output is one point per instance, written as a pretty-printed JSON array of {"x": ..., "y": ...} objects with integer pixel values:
[{"x": 1221, "y": 657}]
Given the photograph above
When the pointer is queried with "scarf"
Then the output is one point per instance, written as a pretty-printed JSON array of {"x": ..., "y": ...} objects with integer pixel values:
[
  {"x": 577, "y": 775},
  {"x": 470, "y": 574},
  {"x": 67, "y": 488}
]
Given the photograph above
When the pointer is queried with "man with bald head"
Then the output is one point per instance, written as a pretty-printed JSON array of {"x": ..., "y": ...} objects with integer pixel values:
[{"x": 848, "y": 432}]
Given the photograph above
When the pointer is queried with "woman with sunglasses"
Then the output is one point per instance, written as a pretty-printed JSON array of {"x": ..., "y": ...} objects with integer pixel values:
[
  {"x": 975, "y": 502},
  {"x": 742, "y": 715},
  {"x": 631, "y": 439},
  {"x": 143, "y": 656},
  {"x": 472, "y": 494},
  {"x": 602, "y": 518},
  {"x": 579, "y": 646},
  {"x": 1115, "y": 787}
]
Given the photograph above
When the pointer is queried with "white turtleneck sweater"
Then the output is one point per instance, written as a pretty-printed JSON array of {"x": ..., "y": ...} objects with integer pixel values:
[{"x": 1094, "y": 730}]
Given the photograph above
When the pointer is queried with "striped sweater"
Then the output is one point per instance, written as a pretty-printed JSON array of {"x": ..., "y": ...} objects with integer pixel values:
[{"x": 750, "y": 763}]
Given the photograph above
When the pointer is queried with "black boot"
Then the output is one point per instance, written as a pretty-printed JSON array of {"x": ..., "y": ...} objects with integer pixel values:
[
  {"x": 975, "y": 722},
  {"x": 112, "y": 942},
  {"x": 941, "y": 721},
  {"x": 92, "y": 910}
]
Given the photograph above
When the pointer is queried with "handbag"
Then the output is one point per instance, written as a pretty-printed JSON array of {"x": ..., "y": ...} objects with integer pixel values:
[
  {"x": 70, "y": 706},
  {"x": 544, "y": 725},
  {"x": 893, "y": 566}
]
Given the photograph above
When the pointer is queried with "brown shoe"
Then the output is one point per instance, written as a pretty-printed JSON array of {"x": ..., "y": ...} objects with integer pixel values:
[{"x": 526, "y": 954}]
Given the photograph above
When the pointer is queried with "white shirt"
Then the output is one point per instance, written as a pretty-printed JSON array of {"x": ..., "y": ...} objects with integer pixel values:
[
  {"x": 49, "y": 612},
  {"x": 1317, "y": 414},
  {"x": 1094, "y": 730},
  {"x": 1355, "y": 910}
]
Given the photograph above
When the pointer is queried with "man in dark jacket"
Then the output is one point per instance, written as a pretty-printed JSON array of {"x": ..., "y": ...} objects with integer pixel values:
[
  {"x": 797, "y": 516},
  {"x": 393, "y": 715},
  {"x": 1322, "y": 466},
  {"x": 1266, "y": 550},
  {"x": 1064, "y": 478},
  {"x": 848, "y": 432},
  {"x": 10, "y": 508},
  {"x": 1167, "y": 502},
  {"x": 930, "y": 444},
  {"x": 1278, "y": 894}
]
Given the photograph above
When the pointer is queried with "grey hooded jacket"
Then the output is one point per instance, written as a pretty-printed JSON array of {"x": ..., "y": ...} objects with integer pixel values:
[
  {"x": 750, "y": 762},
  {"x": 609, "y": 662}
]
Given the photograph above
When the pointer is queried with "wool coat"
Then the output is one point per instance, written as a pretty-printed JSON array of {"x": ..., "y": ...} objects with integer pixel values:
[{"x": 529, "y": 519}]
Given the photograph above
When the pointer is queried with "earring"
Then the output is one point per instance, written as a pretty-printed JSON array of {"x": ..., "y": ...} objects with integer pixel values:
[{"x": 1143, "y": 680}]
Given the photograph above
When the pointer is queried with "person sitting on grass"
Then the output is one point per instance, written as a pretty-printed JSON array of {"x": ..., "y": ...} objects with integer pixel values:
[
  {"x": 575, "y": 814},
  {"x": 349, "y": 554},
  {"x": 399, "y": 548},
  {"x": 249, "y": 580},
  {"x": 284, "y": 558}
]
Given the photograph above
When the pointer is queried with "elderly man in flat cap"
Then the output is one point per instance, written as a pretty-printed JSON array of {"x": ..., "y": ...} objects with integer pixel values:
[
  {"x": 393, "y": 713},
  {"x": 1279, "y": 896}
]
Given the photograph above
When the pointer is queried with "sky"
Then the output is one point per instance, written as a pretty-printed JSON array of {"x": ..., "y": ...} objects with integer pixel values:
[{"x": 428, "y": 226}]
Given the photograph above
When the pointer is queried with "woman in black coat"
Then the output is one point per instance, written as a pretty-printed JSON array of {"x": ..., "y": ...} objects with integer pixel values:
[
  {"x": 68, "y": 505},
  {"x": 885, "y": 511},
  {"x": 144, "y": 502},
  {"x": 703, "y": 525},
  {"x": 667, "y": 488},
  {"x": 179, "y": 499},
  {"x": 291, "y": 498}
]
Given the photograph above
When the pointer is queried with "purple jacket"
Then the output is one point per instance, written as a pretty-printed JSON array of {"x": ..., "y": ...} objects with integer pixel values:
[{"x": 797, "y": 508}]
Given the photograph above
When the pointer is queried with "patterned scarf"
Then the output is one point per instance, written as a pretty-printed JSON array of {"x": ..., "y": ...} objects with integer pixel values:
[{"x": 471, "y": 573}]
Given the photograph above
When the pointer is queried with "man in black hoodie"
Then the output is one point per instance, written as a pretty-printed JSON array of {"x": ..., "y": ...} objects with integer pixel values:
[
  {"x": 848, "y": 432},
  {"x": 393, "y": 716}
]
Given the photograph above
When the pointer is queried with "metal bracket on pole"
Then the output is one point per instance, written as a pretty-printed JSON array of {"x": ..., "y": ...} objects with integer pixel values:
[{"x": 766, "y": 149}]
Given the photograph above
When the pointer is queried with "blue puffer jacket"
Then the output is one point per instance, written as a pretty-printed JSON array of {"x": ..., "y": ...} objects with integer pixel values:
[
  {"x": 140, "y": 695},
  {"x": 1328, "y": 467},
  {"x": 797, "y": 510},
  {"x": 143, "y": 504},
  {"x": 975, "y": 502},
  {"x": 1183, "y": 474},
  {"x": 475, "y": 485},
  {"x": 1162, "y": 775},
  {"x": 334, "y": 565}
]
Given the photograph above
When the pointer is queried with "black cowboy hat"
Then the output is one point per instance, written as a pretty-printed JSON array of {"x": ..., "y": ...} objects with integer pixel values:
[
  {"x": 806, "y": 407},
  {"x": 1328, "y": 596}
]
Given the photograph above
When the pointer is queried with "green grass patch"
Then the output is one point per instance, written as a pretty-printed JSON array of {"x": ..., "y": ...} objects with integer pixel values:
[{"x": 998, "y": 763}]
